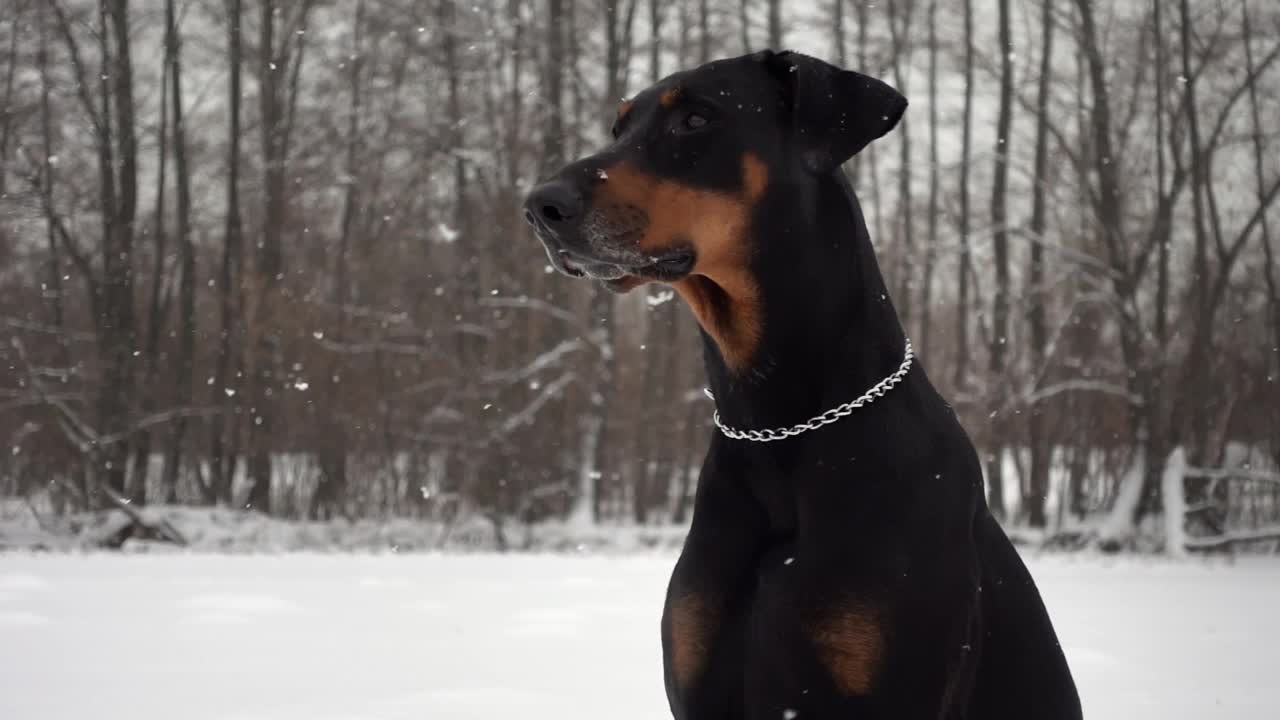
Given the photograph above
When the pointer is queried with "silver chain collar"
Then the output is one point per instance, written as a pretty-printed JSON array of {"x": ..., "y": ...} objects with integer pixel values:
[{"x": 826, "y": 418}]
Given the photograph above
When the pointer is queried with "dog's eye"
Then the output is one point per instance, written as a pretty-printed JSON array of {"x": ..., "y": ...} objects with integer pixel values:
[{"x": 694, "y": 121}]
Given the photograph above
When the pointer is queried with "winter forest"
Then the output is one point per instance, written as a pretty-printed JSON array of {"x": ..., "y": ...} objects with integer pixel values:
[{"x": 267, "y": 255}]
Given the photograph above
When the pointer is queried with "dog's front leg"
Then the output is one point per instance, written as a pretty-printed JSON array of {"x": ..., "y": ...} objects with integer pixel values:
[{"x": 710, "y": 596}]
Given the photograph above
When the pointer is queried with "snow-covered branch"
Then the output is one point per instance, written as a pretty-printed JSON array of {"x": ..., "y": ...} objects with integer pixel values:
[
  {"x": 543, "y": 361},
  {"x": 1082, "y": 385},
  {"x": 549, "y": 392}
]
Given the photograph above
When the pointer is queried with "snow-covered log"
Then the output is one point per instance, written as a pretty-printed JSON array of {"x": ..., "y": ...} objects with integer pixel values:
[{"x": 1174, "y": 493}]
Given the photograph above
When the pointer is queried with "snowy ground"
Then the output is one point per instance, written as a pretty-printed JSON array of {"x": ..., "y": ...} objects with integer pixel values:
[{"x": 327, "y": 637}]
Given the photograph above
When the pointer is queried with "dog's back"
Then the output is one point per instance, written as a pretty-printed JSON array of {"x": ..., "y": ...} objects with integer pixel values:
[{"x": 1021, "y": 670}]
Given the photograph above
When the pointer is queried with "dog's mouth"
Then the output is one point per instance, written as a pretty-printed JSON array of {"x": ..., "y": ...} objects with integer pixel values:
[{"x": 627, "y": 271}]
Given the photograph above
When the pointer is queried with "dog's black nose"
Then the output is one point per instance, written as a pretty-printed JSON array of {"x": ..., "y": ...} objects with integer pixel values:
[{"x": 556, "y": 203}]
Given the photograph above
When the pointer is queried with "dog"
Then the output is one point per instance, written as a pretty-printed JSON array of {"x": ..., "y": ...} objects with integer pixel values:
[{"x": 841, "y": 567}]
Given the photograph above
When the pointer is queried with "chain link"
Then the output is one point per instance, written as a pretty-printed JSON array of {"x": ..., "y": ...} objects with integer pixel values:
[{"x": 836, "y": 413}]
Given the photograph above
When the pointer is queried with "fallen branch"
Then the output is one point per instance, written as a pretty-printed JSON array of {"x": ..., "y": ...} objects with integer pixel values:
[
  {"x": 1231, "y": 538},
  {"x": 160, "y": 527},
  {"x": 87, "y": 439},
  {"x": 1233, "y": 474}
]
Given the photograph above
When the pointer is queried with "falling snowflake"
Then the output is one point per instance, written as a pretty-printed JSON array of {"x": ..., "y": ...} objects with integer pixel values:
[
  {"x": 447, "y": 234},
  {"x": 659, "y": 298}
]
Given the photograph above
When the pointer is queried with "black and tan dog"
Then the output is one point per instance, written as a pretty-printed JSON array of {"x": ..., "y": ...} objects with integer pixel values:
[{"x": 850, "y": 571}]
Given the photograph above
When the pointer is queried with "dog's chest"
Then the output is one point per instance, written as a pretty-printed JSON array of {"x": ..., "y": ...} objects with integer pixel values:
[{"x": 774, "y": 491}]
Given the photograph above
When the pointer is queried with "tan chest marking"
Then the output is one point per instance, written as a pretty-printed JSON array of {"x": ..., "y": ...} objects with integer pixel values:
[
  {"x": 694, "y": 620},
  {"x": 850, "y": 643}
]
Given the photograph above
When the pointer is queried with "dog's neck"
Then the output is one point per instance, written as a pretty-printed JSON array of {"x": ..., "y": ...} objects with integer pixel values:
[{"x": 828, "y": 329}]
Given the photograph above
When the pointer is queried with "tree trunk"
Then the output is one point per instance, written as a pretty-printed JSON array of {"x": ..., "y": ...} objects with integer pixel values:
[
  {"x": 775, "y": 24},
  {"x": 960, "y": 378},
  {"x": 573, "y": 49},
  {"x": 905, "y": 235},
  {"x": 685, "y": 464},
  {"x": 837, "y": 33},
  {"x": 276, "y": 103},
  {"x": 269, "y": 261},
  {"x": 931, "y": 242},
  {"x": 117, "y": 331},
  {"x": 56, "y": 310},
  {"x": 224, "y": 426},
  {"x": 331, "y": 493},
  {"x": 655, "y": 40},
  {"x": 871, "y": 152},
  {"x": 553, "y": 157},
  {"x": 183, "y": 375},
  {"x": 593, "y": 422},
  {"x": 7, "y": 104},
  {"x": 612, "y": 61},
  {"x": 704, "y": 32},
  {"x": 1040, "y": 447},
  {"x": 1197, "y": 395},
  {"x": 515, "y": 94},
  {"x": 1269, "y": 266},
  {"x": 1108, "y": 210},
  {"x": 157, "y": 304},
  {"x": 648, "y": 469},
  {"x": 1162, "y": 263},
  {"x": 1000, "y": 247}
]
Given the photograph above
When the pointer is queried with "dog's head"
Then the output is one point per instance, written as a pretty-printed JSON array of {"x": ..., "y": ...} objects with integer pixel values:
[{"x": 674, "y": 197}]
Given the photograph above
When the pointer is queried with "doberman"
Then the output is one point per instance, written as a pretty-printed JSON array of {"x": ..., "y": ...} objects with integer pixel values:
[{"x": 851, "y": 570}]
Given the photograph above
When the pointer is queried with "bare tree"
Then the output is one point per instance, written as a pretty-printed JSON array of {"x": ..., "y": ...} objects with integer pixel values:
[
  {"x": 704, "y": 31},
  {"x": 111, "y": 288},
  {"x": 279, "y": 66},
  {"x": 553, "y": 147},
  {"x": 223, "y": 429},
  {"x": 931, "y": 240},
  {"x": 655, "y": 40},
  {"x": 158, "y": 302},
  {"x": 1000, "y": 246},
  {"x": 183, "y": 377},
  {"x": 900, "y": 20},
  {"x": 775, "y": 24},
  {"x": 1041, "y": 451},
  {"x": 837, "y": 33},
  {"x": 331, "y": 490},
  {"x": 7, "y": 104},
  {"x": 961, "y": 367},
  {"x": 54, "y": 272},
  {"x": 410, "y": 354},
  {"x": 877, "y": 216},
  {"x": 1259, "y": 152}
]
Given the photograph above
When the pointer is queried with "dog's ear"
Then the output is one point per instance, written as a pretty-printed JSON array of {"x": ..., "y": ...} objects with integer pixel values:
[{"x": 834, "y": 113}]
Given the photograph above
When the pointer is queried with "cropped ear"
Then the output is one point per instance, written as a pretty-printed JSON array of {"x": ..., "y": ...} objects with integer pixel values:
[{"x": 835, "y": 113}]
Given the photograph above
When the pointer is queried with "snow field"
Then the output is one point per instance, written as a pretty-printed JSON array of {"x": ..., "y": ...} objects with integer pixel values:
[{"x": 461, "y": 637}]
